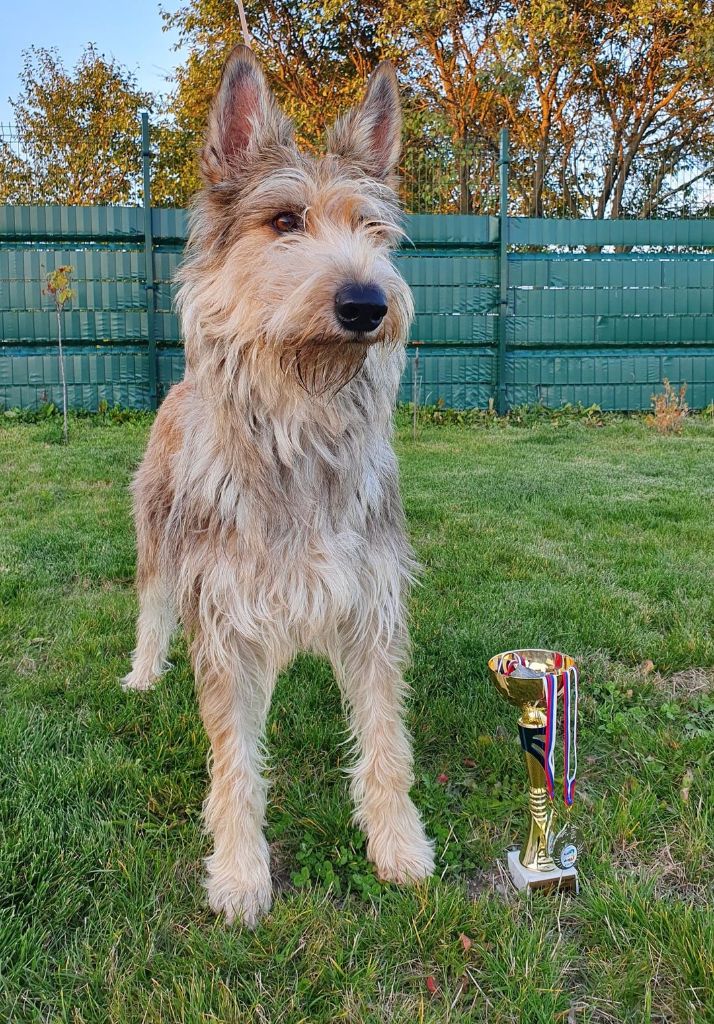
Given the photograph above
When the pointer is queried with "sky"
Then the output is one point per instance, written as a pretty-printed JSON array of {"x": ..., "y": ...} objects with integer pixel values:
[{"x": 129, "y": 30}]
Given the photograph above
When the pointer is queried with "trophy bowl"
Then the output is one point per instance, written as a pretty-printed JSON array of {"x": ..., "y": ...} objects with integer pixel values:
[
  {"x": 520, "y": 691},
  {"x": 518, "y": 676}
]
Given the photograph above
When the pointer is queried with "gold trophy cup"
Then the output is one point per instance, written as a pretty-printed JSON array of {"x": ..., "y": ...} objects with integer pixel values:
[{"x": 546, "y": 859}]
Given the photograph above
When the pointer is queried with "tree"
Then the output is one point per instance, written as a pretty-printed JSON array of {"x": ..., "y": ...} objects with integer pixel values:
[
  {"x": 59, "y": 286},
  {"x": 650, "y": 66},
  {"x": 78, "y": 132},
  {"x": 316, "y": 57},
  {"x": 541, "y": 46},
  {"x": 457, "y": 82},
  {"x": 609, "y": 103}
]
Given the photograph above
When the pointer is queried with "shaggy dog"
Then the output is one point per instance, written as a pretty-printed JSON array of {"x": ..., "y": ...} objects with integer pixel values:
[{"x": 267, "y": 507}]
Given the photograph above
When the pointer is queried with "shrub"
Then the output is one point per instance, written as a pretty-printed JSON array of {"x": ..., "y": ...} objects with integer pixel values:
[{"x": 670, "y": 409}]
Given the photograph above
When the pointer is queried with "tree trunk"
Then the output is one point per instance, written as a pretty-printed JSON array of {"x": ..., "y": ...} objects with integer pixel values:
[
  {"x": 63, "y": 379},
  {"x": 465, "y": 201}
]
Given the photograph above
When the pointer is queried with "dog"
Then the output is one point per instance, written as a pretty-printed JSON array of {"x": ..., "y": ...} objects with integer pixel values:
[{"x": 267, "y": 508}]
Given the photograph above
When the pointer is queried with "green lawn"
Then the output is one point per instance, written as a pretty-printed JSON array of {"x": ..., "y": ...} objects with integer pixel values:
[{"x": 599, "y": 542}]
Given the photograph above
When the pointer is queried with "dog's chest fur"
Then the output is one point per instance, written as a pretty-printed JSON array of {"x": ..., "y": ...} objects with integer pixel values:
[{"x": 288, "y": 520}]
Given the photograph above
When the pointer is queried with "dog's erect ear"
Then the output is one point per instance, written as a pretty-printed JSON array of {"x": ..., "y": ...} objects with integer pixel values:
[
  {"x": 370, "y": 134},
  {"x": 244, "y": 117}
]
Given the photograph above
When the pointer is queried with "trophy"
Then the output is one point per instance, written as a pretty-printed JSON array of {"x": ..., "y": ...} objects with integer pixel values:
[{"x": 534, "y": 680}]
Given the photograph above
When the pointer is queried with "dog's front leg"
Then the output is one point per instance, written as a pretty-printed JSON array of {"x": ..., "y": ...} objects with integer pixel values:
[
  {"x": 234, "y": 704},
  {"x": 369, "y": 670}
]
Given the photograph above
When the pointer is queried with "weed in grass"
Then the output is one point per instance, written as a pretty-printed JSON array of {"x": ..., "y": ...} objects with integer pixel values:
[{"x": 670, "y": 409}]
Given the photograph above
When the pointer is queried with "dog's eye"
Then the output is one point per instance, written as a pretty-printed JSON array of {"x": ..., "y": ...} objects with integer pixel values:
[
  {"x": 286, "y": 222},
  {"x": 370, "y": 224}
]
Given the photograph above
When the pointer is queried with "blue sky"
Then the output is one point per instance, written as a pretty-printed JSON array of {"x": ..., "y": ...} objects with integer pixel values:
[{"x": 130, "y": 30}]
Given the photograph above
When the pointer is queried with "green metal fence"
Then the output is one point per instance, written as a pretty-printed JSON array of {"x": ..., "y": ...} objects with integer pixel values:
[{"x": 509, "y": 310}]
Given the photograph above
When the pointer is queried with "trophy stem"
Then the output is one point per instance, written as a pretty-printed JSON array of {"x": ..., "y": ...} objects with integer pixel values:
[{"x": 534, "y": 854}]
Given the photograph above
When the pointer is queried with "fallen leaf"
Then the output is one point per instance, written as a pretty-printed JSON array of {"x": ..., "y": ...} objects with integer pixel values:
[
  {"x": 646, "y": 667},
  {"x": 469, "y": 762},
  {"x": 442, "y": 778},
  {"x": 686, "y": 785},
  {"x": 432, "y": 985},
  {"x": 465, "y": 942}
]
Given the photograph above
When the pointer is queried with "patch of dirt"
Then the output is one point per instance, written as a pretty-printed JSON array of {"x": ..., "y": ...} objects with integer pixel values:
[
  {"x": 26, "y": 666},
  {"x": 685, "y": 684},
  {"x": 279, "y": 870},
  {"x": 669, "y": 875},
  {"x": 672, "y": 882},
  {"x": 678, "y": 686},
  {"x": 491, "y": 881}
]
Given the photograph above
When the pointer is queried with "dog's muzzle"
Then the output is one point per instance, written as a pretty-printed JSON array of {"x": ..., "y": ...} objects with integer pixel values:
[{"x": 360, "y": 307}]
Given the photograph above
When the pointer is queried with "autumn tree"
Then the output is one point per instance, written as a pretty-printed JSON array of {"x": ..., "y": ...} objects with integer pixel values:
[
  {"x": 59, "y": 288},
  {"x": 455, "y": 78},
  {"x": 650, "y": 80},
  {"x": 609, "y": 103},
  {"x": 540, "y": 45},
  {"x": 78, "y": 132},
  {"x": 316, "y": 57}
]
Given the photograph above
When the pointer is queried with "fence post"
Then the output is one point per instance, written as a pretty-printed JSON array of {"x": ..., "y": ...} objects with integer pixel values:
[
  {"x": 149, "y": 264},
  {"x": 415, "y": 389},
  {"x": 501, "y": 400}
]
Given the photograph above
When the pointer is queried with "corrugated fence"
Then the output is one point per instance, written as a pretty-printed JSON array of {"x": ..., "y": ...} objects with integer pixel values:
[{"x": 531, "y": 310}]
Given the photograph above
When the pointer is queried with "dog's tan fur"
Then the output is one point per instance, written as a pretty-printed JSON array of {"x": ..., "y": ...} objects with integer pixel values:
[{"x": 267, "y": 507}]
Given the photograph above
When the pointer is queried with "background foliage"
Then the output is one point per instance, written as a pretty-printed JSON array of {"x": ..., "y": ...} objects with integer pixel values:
[
  {"x": 610, "y": 103},
  {"x": 78, "y": 138}
]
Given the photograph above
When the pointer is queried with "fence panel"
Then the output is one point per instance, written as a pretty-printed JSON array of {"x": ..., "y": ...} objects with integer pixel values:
[
  {"x": 104, "y": 328},
  {"x": 604, "y": 327},
  {"x": 581, "y": 323}
]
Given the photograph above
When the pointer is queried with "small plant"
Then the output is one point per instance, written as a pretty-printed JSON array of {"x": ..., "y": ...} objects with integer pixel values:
[
  {"x": 670, "y": 409},
  {"x": 342, "y": 870},
  {"x": 518, "y": 416},
  {"x": 59, "y": 287}
]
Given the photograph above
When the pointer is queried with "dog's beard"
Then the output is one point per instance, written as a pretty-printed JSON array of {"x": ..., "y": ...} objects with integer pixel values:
[{"x": 324, "y": 365}]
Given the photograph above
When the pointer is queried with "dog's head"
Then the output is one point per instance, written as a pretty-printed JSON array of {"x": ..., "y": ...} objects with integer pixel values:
[{"x": 289, "y": 264}]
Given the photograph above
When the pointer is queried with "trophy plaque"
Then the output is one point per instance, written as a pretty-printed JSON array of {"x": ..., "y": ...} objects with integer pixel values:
[{"x": 535, "y": 680}]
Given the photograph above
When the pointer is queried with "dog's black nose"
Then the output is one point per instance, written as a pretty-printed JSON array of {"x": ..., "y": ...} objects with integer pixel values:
[{"x": 360, "y": 307}]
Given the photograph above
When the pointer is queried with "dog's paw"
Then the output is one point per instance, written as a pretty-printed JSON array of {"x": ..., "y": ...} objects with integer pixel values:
[
  {"x": 406, "y": 862},
  {"x": 402, "y": 855},
  {"x": 240, "y": 900},
  {"x": 138, "y": 681}
]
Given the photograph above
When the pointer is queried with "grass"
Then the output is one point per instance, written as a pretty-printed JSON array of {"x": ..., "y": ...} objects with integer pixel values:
[{"x": 595, "y": 541}]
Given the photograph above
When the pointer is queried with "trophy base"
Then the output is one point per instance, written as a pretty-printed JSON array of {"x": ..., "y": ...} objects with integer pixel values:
[{"x": 565, "y": 880}]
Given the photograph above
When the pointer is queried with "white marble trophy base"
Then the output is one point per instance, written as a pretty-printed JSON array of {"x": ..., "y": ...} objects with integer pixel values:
[{"x": 565, "y": 879}]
